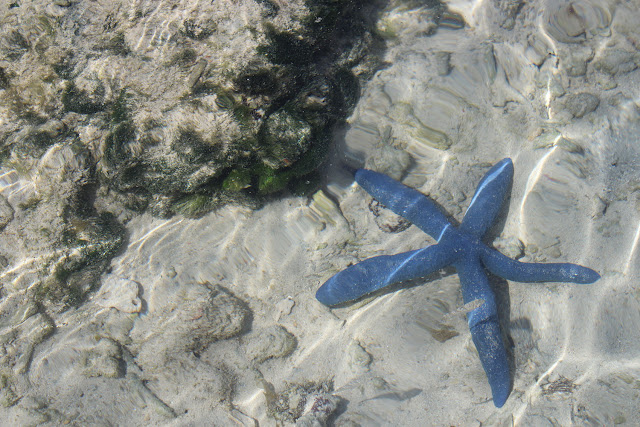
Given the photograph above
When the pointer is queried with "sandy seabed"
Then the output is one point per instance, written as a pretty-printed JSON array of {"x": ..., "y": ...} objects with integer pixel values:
[{"x": 216, "y": 321}]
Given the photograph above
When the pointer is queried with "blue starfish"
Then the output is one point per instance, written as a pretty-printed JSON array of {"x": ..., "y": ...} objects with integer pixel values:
[{"x": 461, "y": 247}]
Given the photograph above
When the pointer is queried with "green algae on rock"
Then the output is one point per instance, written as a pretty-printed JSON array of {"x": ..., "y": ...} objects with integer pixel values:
[{"x": 257, "y": 99}]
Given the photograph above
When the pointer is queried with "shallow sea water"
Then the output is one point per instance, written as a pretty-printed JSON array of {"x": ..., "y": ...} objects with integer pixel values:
[{"x": 552, "y": 84}]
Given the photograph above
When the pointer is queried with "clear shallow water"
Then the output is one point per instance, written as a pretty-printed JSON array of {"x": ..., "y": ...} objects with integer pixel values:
[
  {"x": 455, "y": 101},
  {"x": 562, "y": 334}
]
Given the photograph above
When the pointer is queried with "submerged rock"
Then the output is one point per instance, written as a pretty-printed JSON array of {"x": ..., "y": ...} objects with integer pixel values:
[
  {"x": 582, "y": 103},
  {"x": 271, "y": 342},
  {"x": 170, "y": 341},
  {"x": 112, "y": 107},
  {"x": 66, "y": 243},
  {"x": 22, "y": 328},
  {"x": 187, "y": 318},
  {"x": 6, "y": 212},
  {"x": 318, "y": 409},
  {"x": 213, "y": 110},
  {"x": 308, "y": 404}
]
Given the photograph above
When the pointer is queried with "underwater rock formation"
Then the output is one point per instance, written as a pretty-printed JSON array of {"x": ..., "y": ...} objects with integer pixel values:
[
  {"x": 187, "y": 318},
  {"x": 270, "y": 342},
  {"x": 109, "y": 109},
  {"x": 225, "y": 103},
  {"x": 57, "y": 243}
]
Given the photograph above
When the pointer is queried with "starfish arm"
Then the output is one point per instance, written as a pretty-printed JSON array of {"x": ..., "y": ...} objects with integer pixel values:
[
  {"x": 378, "y": 272},
  {"x": 484, "y": 326},
  {"x": 516, "y": 271},
  {"x": 488, "y": 199},
  {"x": 404, "y": 201}
]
